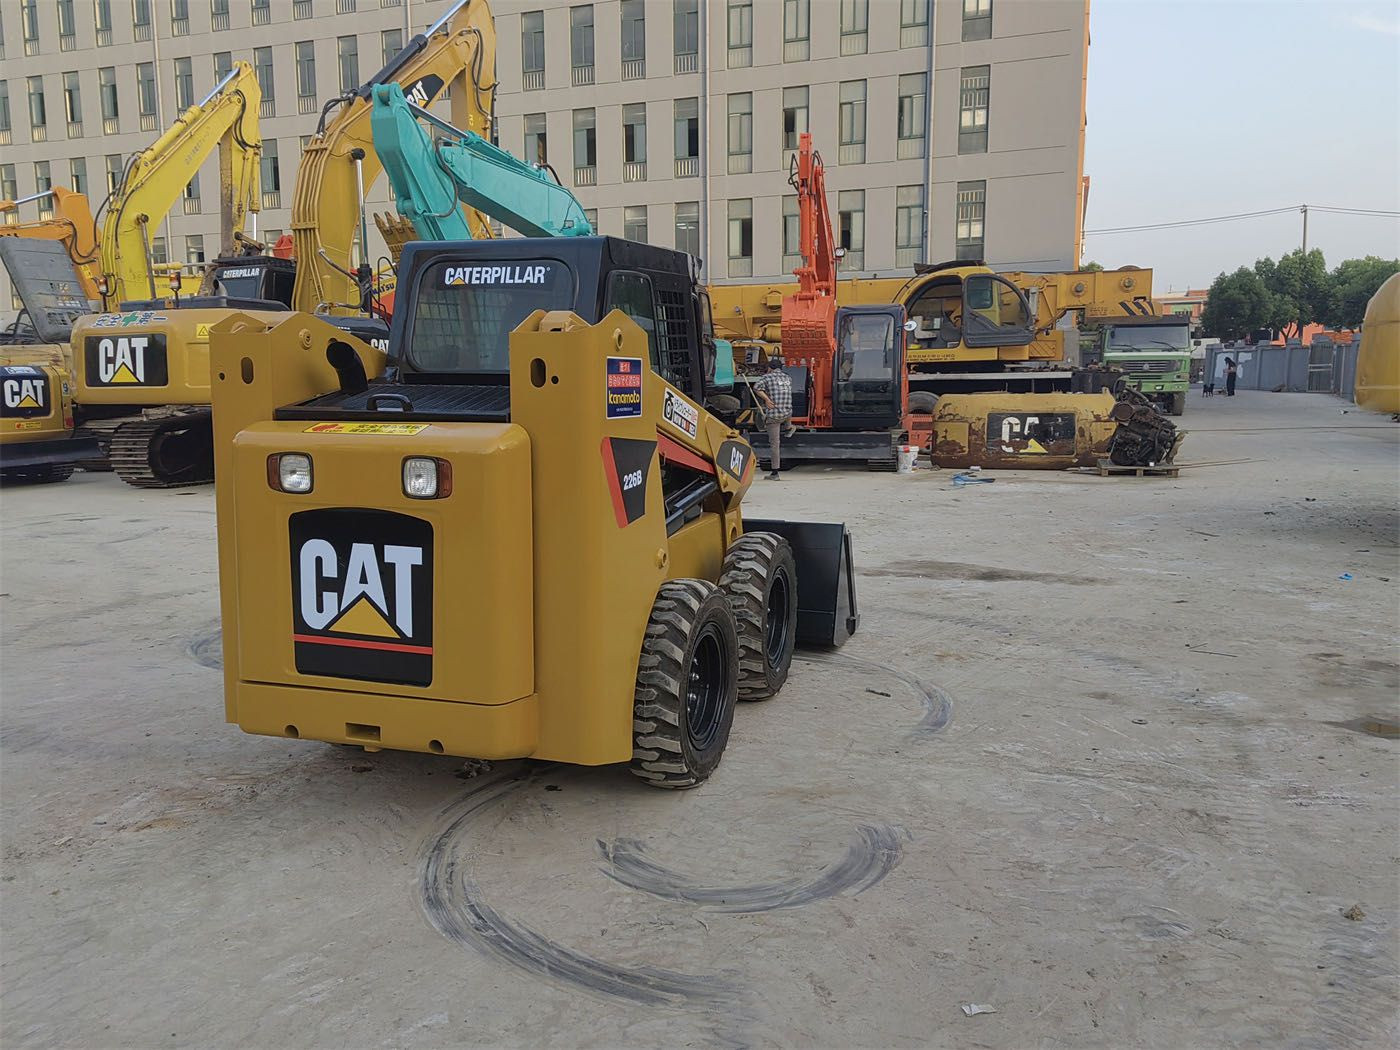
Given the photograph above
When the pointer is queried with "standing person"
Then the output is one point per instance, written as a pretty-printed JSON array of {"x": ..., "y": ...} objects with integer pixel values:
[
  {"x": 774, "y": 391},
  {"x": 1230, "y": 371}
]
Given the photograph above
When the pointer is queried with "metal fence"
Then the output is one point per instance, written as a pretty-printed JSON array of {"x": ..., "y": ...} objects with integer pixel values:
[{"x": 1324, "y": 367}]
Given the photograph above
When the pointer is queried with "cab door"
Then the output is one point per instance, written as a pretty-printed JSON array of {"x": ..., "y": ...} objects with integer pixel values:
[
  {"x": 995, "y": 312},
  {"x": 867, "y": 379}
]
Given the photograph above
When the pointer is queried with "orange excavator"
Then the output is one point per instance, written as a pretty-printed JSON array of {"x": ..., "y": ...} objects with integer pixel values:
[{"x": 847, "y": 364}]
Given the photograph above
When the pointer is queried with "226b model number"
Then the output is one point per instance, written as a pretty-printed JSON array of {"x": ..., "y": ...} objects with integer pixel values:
[{"x": 632, "y": 480}]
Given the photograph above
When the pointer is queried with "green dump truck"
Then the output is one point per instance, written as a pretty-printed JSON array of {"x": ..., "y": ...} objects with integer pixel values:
[{"x": 1154, "y": 353}]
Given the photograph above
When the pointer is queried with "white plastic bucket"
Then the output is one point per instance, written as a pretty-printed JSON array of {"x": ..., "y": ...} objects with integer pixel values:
[{"x": 908, "y": 459}]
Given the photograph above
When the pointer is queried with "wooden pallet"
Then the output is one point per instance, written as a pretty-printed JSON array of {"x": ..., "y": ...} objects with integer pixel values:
[{"x": 1107, "y": 468}]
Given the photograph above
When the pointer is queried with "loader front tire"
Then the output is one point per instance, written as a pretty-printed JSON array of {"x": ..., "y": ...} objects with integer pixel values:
[
  {"x": 687, "y": 682},
  {"x": 759, "y": 577}
]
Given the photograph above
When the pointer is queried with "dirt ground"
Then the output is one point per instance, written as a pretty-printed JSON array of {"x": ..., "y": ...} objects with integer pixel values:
[{"x": 1098, "y": 758}]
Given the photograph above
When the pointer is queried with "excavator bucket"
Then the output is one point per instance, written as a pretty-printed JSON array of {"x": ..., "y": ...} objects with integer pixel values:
[{"x": 827, "y": 613}]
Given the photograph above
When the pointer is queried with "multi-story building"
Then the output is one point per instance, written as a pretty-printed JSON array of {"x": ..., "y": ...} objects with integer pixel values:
[{"x": 950, "y": 129}]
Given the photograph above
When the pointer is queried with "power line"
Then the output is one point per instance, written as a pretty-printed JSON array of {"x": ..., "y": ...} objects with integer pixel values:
[{"x": 1242, "y": 215}]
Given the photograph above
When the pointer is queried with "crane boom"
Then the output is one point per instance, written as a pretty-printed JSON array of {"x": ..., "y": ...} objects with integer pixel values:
[
  {"x": 340, "y": 163},
  {"x": 72, "y": 225},
  {"x": 226, "y": 119},
  {"x": 429, "y": 180}
]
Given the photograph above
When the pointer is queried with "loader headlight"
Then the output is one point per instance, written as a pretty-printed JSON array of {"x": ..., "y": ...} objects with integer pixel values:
[
  {"x": 289, "y": 471},
  {"x": 427, "y": 478}
]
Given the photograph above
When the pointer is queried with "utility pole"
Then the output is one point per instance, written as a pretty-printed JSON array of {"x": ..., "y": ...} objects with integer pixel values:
[{"x": 1304, "y": 210}]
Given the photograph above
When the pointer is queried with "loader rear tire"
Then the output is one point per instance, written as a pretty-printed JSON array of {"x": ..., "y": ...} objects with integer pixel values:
[
  {"x": 759, "y": 577},
  {"x": 687, "y": 682}
]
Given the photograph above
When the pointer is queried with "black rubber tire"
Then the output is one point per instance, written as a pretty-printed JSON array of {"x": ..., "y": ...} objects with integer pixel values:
[
  {"x": 1178, "y": 405},
  {"x": 689, "y": 667},
  {"x": 922, "y": 402},
  {"x": 759, "y": 577},
  {"x": 726, "y": 405}
]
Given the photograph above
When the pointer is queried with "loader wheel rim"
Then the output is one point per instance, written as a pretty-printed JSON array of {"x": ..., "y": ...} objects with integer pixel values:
[
  {"x": 776, "y": 634},
  {"x": 704, "y": 698}
]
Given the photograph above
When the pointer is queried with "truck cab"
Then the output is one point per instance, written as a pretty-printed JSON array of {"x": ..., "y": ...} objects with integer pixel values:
[
  {"x": 869, "y": 385},
  {"x": 1154, "y": 354}
]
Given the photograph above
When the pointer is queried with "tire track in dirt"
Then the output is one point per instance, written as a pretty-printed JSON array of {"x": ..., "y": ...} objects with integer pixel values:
[
  {"x": 937, "y": 704},
  {"x": 878, "y": 849},
  {"x": 207, "y": 647}
]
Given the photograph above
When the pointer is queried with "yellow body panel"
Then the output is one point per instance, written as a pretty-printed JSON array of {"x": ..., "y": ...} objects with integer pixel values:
[
  {"x": 541, "y": 583},
  {"x": 1022, "y": 431},
  {"x": 1378, "y": 360},
  {"x": 37, "y": 407}
]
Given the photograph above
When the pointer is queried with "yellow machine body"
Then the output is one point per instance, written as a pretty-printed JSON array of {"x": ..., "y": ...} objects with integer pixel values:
[
  {"x": 1378, "y": 359},
  {"x": 71, "y": 224},
  {"x": 1022, "y": 431},
  {"x": 528, "y": 588},
  {"x": 36, "y": 397}
]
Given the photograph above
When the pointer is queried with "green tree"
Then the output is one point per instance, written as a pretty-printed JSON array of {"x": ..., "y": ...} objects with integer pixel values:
[
  {"x": 1091, "y": 267},
  {"x": 1300, "y": 289},
  {"x": 1354, "y": 281},
  {"x": 1236, "y": 305}
]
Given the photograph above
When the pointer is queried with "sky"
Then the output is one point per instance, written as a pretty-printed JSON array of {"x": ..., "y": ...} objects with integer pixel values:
[{"x": 1203, "y": 108}]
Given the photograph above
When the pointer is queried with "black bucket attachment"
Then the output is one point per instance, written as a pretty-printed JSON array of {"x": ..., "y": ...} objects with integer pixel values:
[{"x": 827, "y": 613}]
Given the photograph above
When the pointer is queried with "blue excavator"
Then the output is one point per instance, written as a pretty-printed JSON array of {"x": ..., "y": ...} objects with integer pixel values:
[{"x": 433, "y": 179}]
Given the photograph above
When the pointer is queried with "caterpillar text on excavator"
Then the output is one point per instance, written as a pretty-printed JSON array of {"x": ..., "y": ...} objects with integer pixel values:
[{"x": 541, "y": 444}]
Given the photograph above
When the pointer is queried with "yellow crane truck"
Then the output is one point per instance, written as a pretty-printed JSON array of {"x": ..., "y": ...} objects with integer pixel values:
[{"x": 518, "y": 535}]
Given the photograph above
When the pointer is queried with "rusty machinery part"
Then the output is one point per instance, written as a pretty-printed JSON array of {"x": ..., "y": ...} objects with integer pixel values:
[
  {"x": 164, "y": 453},
  {"x": 1143, "y": 437},
  {"x": 1021, "y": 431}
]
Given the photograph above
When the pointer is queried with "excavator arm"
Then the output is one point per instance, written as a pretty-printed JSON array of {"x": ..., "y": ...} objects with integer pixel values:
[
  {"x": 72, "y": 225},
  {"x": 1099, "y": 293},
  {"x": 340, "y": 163},
  {"x": 226, "y": 119},
  {"x": 430, "y": 179}
]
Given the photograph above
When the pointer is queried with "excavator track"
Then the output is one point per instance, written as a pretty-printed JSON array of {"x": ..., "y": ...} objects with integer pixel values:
[{"x": 165, "y": 453}]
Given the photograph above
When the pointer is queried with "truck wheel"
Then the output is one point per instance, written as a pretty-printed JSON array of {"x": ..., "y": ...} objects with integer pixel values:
[
  {"x": 687, "y": 682},
  {"x": 759, "y": 577},
  {"x": 1178, "y": 405},
  {"x": 922, "y": 402}
]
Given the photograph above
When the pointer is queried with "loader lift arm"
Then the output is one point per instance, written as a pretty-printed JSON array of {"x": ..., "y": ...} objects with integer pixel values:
[
  {"x": 72, "y": 225},
  {"x": 429, "y": 179},
  {"x": 226, "y": 119},
  {"x": 340, "y": 163}
]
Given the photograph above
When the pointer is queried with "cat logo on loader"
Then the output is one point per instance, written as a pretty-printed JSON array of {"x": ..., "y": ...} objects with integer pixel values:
[{"x": 24, "y": 393}]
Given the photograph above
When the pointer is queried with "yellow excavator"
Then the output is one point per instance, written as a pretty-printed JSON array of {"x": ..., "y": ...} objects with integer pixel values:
[
  {"x": 71, "y": 224},
  {"x": 144, "y": 395}
]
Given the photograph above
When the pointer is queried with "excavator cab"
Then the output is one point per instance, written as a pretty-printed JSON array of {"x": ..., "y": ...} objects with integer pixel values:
[
  {"x": 258, "y": 282},
  {"x": 970, "y": 306},
  {"x": 868, "y": 380}
]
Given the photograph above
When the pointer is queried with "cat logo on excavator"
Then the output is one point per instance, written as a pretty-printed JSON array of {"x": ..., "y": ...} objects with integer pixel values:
[
  {"x": 25, "y": 392},
  {"x": 127, "y": 360}
]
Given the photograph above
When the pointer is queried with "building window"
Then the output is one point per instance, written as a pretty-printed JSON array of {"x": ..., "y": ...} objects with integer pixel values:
[
  {"x": 262, "y": 67},
  {"x": 913, "y": 23},
  {"x": 908, "y": 225},
  {"x": 184, "y": 83},
  {"x": 741, "y": 238},
  {"x": 687, "y": 137},
  {"x": 141, "y": 20},
  {"x": 581, "y": 43},
  {"x": 29, "y": 24},
  {"x": 194, "y": 249},
  {"x": 114, "y": 172},
  {"x": 77, "y": 175},
  {"x": 347, "y": 51},
  {"x": 5, "y": 125},
  {"x": 687, "y": 35},
  {"x": 977, "y": 20},
  {"x": 536, "y": 139},
  {"x": 43, "y": 182},
  {"x": 740, "y": 33},
  {"x": 107, "y": 96},
  {"x": 972, "y": 214},
  {"x": 218, "y": 14},
  {"x": 792, "y": 233},
  {"x": 634, "y": 40},
  {"x": 158, "y": 254},
  {"x": 102, "y": 19},
  {"x": 794, "y": 117},
  {"x": 191, "y": 202},
  {"x": 262, "y": 12},
  {"x": 301, "y": 9},
  {"x": 73, "y": 104},
  {"x": 179, "y": 17},
  {"x": 585, "y": 147},
  {"x": 146, "y": 94},
  {"x": 913, "y": 114},
  {"x": 852, "y": 122},
  {"x": 855, "y": 25},
  {"x": 271, "y": 175},
  {"x": 38, "y": 111},
  {"x": 974, "y": 99},
  {"x": 688, "y": 228},
  {"x": 390, "y": 44},
  {"x": 850, "y": 217},
  {"x": 67, "y": 26},
  {"x": 634, "y": 144},
  {"x": 591, "y": 214},
  {"x": 532, "y": 50},
  {"x": 740, "y": 133},
  {"x": 345, "y": 7},
  {"x": 9, "y": 188},
  {"x": 797, "y": 30},
  {"x": 634, "y": 222},
  {"x": 223, "y": 65},
  {"x": 306, "y": 76}
]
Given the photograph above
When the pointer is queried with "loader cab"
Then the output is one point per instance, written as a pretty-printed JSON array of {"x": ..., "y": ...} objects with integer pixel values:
[
  {"x": 967, "y": 305},
  {"x": 868, "y": 378}
]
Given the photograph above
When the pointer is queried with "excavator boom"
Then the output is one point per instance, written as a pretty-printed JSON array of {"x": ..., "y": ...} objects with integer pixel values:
[
  {"x": 340, "y": 163},
  {"x": 429, "y": 180},
  {"x": 226, "y": 119},
  {"x": 71, "y": 224}
]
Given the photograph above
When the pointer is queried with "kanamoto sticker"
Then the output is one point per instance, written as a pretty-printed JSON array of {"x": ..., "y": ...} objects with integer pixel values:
[
  {"x": 624, "y": 391},
  {"x": 399, "y": 429}
]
